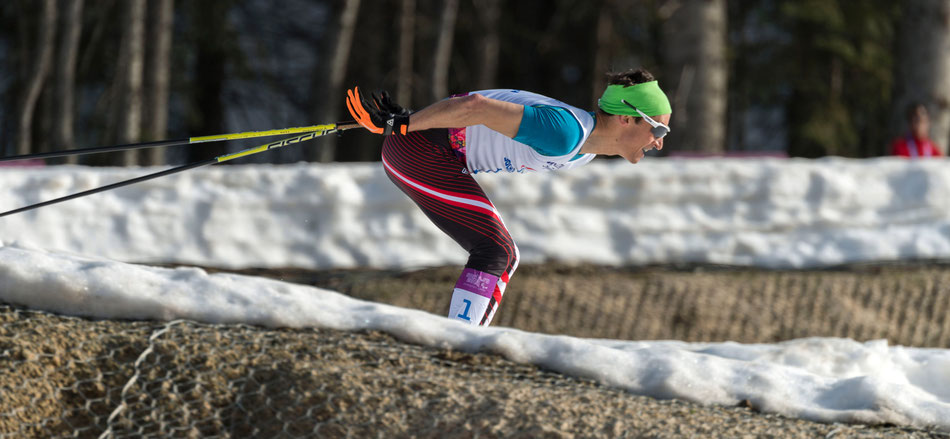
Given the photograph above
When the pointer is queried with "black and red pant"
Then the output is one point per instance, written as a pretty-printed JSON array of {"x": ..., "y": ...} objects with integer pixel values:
[{"x": 426, "y": 168}]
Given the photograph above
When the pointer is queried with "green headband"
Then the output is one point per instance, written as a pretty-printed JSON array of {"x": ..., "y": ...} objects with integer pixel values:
[{"x": 646, "y": 96}]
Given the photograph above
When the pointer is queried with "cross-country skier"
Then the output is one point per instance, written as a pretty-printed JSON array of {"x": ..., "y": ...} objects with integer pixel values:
[{"x": 432, "y": 154}]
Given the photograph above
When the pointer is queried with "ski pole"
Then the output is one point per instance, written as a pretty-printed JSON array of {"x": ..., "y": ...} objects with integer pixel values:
[
  {"x": 160, "y": 143},
  {"x": 327, "y": 129}
]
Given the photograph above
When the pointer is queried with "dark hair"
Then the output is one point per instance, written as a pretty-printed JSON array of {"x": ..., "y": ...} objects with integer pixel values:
[
  {"x": 630, "y": 77},
  {"x": 913, "y": 108},
  {"x": 627, "y": 78}
]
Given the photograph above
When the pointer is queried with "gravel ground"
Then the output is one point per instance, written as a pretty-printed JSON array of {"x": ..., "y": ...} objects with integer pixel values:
[
  {"x": 907, "y": 304},
  {"x": 66, "y": 376}
]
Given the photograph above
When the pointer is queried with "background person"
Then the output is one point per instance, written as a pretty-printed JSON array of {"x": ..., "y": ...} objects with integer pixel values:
[{"x": 916, "y": 142}]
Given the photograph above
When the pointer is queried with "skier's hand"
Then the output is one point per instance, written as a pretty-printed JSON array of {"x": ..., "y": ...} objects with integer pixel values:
[
  {"x": 372, "y": 115},
  {"x": 385, "y": 102}
]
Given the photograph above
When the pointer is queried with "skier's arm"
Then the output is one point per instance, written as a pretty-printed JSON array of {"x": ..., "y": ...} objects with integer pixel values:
[
  {"x": 473, "y": 109},
  {"x": 380, "y": 117}
]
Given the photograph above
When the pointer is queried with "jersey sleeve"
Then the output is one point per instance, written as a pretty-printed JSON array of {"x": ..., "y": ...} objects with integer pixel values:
[{"x": 551, "y": 131}]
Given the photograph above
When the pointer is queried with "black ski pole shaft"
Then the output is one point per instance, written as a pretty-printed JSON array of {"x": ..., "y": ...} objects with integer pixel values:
[
  {"x": 111, "y": 186},
  {"x": 175, "y": 142},
  {"x": 95, "y": 150},
  {"x": 219, "y": 159}
]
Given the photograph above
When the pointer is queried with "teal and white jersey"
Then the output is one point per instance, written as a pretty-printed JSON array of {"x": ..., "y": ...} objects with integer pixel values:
[{"x": 560, "y": 133}]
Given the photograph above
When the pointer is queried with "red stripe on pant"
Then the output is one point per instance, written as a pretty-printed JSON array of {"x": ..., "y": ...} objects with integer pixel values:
[{"x": 424, "y": 167}]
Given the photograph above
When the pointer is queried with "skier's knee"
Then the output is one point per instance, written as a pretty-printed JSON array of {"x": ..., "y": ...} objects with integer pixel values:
[{"x": 495, "y": 257}]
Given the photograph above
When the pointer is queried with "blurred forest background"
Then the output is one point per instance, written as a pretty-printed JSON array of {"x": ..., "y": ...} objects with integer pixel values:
[{"x": 806, "y": 78}]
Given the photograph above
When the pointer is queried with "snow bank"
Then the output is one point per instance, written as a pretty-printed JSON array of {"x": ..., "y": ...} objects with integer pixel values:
[{"x": 767, "y": 212}]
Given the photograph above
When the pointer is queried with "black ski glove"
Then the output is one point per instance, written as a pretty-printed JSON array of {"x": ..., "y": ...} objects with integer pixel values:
[
  {"x": 377, "y": 116},
  {"x": 385, "y": 102}
]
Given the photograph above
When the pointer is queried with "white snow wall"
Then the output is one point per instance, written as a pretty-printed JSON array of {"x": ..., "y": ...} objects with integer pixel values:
[{"x": 757, "y": 212}]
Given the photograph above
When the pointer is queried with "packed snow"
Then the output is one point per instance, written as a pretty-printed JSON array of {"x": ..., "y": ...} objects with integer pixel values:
[
  {"x": 824, "y": 379},
  {"x": 75, "y": 258},
  {"x": 769, "y": 213}
]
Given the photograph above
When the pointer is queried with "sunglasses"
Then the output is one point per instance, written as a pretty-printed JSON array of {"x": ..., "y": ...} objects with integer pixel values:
[{"x": 658, "y": 130}]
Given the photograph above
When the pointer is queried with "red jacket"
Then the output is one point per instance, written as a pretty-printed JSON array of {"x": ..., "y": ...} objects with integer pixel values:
[{"x": 909, "y": 146}]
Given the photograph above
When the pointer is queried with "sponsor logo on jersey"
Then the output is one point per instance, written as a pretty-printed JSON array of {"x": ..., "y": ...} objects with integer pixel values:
[{"x": 508, "y": 166}]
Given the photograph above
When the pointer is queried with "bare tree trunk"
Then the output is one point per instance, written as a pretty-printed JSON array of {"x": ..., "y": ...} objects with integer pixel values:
[
  {"x": 129, "y": 75},
  {"x": 44, "y": 60},
  {"x": 443, "y": 50},
  {"x": 407, "y": 37},
  {"x": 206, "y": 106},
  {"x": 328, "y": 109},
  {"x": 45, "y": 113},
  {"x": 605, "y": 39},
  {"x": 63, "y": 136},
  {"x": 923, "y": 67},
  {"x": 489, "y": 12},
  {"x": 157, "y": 77},
  {"x": 694, "y": 44}
]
